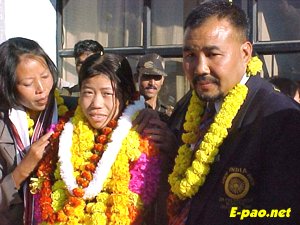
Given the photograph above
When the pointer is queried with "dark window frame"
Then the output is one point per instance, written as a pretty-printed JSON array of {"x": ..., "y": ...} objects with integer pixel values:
[
  {"x": 260, "y": 47},
  {"x": 163, "y": 50},
  {"x": 268, "y": 47}
]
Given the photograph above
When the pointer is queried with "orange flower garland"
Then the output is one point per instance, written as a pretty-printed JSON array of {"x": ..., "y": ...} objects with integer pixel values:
[
  {"x": 86, "y": 175},
  {"x": 46, "y": 167},
  {"x": 44, "y": 171},
  {"x": 133, "y": 175}
]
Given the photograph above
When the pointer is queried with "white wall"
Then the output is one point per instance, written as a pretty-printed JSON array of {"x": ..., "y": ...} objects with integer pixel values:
[{"x": 33, "y": 19}]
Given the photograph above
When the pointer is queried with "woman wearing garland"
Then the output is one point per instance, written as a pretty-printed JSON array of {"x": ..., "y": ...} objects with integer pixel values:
[
  {"x": 27, "y": 83},
  {"x": 100, "y": 170}
]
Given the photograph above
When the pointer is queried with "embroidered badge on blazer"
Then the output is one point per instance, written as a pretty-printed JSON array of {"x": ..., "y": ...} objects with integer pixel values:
[{"x": 237, "y": 182}]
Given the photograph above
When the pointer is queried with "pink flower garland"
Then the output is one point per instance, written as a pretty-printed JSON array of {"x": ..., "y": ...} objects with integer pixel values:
[
  {"x": 51, "y": 128},
  {"x": 145, "y": 177}
]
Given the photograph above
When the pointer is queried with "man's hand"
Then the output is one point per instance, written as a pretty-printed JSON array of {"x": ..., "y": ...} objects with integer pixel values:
[{"x": 149, "y": 125}]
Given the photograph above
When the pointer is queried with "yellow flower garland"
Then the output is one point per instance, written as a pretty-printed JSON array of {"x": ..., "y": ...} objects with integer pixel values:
[
  {"x": 30, "y": 123},
  {"x": 187, "y": 176},
  {"x": 116, "y": 203},
  {"x": 254, "y": 66},
  {"x": 61, "y": 107},
  {"x": 95, "y": 212}
]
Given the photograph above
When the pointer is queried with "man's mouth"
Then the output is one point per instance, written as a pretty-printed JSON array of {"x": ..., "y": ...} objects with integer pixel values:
[
  {"x": 205, "y": 80},
  {"x": 151, "y": 88}
]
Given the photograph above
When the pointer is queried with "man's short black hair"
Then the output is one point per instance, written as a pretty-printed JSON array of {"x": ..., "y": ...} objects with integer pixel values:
[
  {"x": 222, "y": 10},
  {"x": 87, "y": 46}
]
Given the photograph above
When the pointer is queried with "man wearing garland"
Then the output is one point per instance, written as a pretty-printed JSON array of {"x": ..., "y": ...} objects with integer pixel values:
[{"x": 241, "y": 165}]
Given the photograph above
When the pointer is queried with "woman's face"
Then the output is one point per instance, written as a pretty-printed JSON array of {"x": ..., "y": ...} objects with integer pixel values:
[
  {"x": 98, "y": 100},
  {"x": 34, "y": 82}
]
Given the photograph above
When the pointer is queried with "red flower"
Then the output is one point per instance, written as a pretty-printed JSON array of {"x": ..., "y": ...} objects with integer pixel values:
[
  {"x": 87, "y": 175},
  {"x": 90, "y": 167},
  {"x": 106, "y": 130},
  {"x": 55, "y": 135},
  {"x": 95, "y": 158},
  {"x": 98, "y": 147},
  {"x": 102, "y": 139},
  {"x": 78, "y": 192},
  {"x": 80, "y": 180},
  {"x": 85, "y": 183},
  {"x": 112, "y": 123},
  {"x": 74, "y": 201}
]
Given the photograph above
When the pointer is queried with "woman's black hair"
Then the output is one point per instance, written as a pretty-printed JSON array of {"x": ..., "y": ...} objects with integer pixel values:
[
  {"x": 10, "y": 53},
  {"x": 115, "y": 67}
]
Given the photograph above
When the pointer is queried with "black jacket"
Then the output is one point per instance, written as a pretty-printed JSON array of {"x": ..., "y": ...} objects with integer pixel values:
[{"x": 258, "y": 166}]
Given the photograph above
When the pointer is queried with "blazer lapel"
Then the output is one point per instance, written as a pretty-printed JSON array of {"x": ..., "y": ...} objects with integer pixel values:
[
  {"x": 254, "y": 83},
  {"x": 205, "y": 192}
]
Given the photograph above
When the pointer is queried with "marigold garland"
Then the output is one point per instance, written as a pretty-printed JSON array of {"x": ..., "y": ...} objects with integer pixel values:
[
  {"x": 30, "y": 123},
  {"x": 130, "y": 185},
  {"x": 254, "y": 66},
  {"x": 188, "y": 175}
]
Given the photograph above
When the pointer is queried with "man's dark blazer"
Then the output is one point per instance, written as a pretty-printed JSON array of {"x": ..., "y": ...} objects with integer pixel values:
[{"x": 258, "y": 165}]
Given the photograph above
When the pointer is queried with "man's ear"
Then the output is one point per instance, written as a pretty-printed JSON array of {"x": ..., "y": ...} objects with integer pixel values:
[{"x": 246, "y": 49}]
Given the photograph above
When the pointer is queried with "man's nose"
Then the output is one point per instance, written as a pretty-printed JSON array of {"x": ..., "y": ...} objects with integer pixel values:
[
  {"x": 152, "y": 81},
  {"x": 202, "y": 67}
]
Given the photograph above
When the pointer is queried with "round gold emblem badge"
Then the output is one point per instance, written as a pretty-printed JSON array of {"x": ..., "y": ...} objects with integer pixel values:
[{"x": 236, "y": 186}]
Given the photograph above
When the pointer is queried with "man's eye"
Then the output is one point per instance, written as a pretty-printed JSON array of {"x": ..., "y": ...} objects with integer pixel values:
[
  {"x": 107, "y": 94},
  {"x": 87, "y": 93},
  {"x": 211, "y": 54},
  {"x": 189, "y": 56}
]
